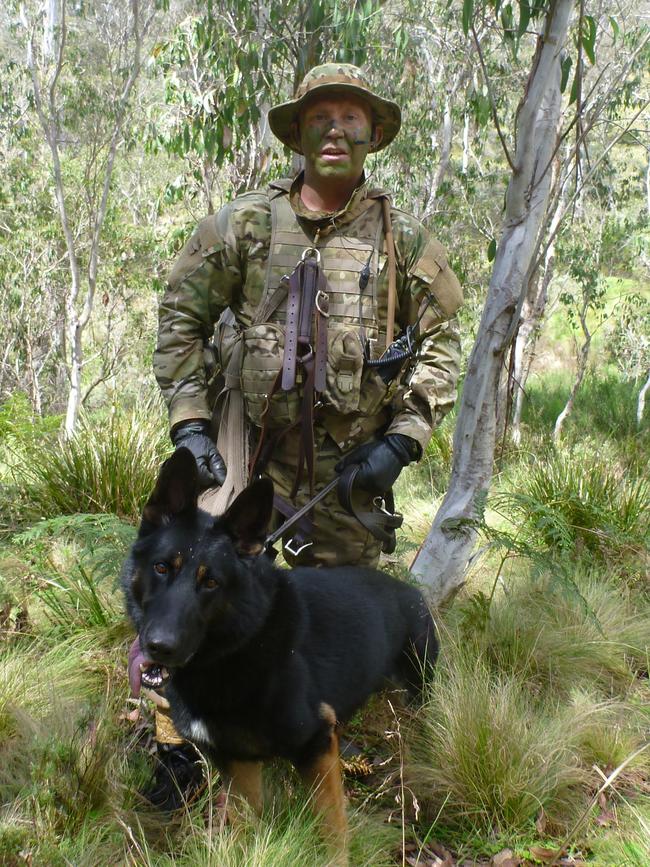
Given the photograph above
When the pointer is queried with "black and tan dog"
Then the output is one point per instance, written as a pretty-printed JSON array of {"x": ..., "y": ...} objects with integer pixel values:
[{"x": 258, "y": 661}]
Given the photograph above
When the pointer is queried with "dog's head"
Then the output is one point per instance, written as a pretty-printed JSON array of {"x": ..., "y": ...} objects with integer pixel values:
[{"x": 190, "y": 576}]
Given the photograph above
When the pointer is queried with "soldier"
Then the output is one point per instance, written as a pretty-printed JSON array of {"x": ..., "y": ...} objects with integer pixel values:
[
  {"x": 237, "y": 260},
  {"x": 314, "y": 399}
]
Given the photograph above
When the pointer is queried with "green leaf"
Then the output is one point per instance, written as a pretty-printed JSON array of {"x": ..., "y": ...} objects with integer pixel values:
[
  {"x": 588, "y": 37},
  {"x": 492, "y": 250},
  {"x": 565, "y": 65},
  {"x": 524, "y": 17},
  {"x": 615, "y": 27},
  {"x": 468, "y": 12}
]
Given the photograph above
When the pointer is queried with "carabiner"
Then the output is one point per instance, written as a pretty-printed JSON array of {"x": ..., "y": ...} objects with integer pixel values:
[{"x": 310, "y": 253}]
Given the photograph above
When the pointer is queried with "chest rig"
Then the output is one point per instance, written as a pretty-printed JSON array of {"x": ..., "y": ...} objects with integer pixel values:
[{"x": 321, "y": 288}]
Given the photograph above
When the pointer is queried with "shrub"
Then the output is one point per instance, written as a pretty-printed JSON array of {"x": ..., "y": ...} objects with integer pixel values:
[
  {"x": 571, "y": 503},
  {"x": 108, "y": 466}
]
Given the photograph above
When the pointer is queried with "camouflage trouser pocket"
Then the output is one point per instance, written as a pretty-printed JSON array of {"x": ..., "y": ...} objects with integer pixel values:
[{"x": 262, "y": 360}]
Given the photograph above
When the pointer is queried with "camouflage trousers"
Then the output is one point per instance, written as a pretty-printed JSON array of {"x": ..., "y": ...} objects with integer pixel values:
[{"x": 337, "y": 538}]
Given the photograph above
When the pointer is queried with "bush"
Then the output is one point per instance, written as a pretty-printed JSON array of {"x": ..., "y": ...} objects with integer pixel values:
[
  {"x": 576, "y": 504},
  {"x": 110, "y": 466}
]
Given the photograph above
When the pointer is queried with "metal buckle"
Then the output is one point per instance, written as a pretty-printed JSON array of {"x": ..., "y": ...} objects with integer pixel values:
[
  {"x": 325, "y": 297},
  {"x": 380, "y": 504},
  {"x": 312, "y": 253},
  {"x": 296, "y": 551}
]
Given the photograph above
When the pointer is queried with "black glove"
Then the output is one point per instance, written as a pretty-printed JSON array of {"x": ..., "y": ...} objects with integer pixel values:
[
  {"x": 195, "y": 436},
  {"x": 381, "y": 461}
]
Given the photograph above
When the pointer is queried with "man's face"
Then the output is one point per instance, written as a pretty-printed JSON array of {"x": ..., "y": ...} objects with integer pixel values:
[{"x": 335, "y": 136}]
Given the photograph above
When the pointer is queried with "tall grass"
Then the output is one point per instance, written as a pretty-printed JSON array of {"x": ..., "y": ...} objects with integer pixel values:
[
  {"x": 34, "y": 678},
  {"x": 107, "y": 466},
  {"x": 626, "y": 841},
  {"x": 526, "y": 701},
  {"x": 579, "y": 504},
  {"x": 605, "y": 406},
  {"x": 487, "y": 756},
  {"x": 559, "y": 637}
]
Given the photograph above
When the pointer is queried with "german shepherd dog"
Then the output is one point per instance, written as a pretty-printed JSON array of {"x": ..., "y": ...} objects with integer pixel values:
[{"x": 256, "y": 661}]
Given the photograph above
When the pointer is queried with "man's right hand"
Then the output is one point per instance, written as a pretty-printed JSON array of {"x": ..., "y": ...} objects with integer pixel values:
[{"x": 195, "y": 436}]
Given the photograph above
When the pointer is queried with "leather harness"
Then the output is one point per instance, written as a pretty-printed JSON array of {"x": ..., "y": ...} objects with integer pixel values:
[{"x": 308, "y": 304}]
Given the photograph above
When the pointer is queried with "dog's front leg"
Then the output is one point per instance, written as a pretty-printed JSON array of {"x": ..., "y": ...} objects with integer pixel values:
[
  {"x": 323, "y": 777},
  {"x": 243, "y": 784}
]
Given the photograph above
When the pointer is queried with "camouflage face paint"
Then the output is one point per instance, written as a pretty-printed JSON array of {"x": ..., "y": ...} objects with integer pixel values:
[{"x": 335, "y": 137}]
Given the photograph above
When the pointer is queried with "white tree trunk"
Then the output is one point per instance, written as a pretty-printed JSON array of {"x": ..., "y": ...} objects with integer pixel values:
[
  {"x": 465, "y": 163},
  {"x": 442, "y": 561},
  {"x": 45, "y": 98},
  {"x": 640, "y": 404},
  {"x": 532, "y": 313},
  {"x": 51, "y": 30},
  {"x": 582, "y": 359}
]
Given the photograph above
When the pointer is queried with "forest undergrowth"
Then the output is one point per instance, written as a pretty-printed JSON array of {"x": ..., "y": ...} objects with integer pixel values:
[{"x": 533, "y": 743}]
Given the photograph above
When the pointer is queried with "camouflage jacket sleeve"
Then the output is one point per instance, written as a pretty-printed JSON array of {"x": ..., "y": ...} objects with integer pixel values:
[
  {"x": 428, "y": 287},
  {"x": 201, "y": 285}
]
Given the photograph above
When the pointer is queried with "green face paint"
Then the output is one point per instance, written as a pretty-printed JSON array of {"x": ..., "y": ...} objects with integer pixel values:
[{"x": 335, "y": 137}]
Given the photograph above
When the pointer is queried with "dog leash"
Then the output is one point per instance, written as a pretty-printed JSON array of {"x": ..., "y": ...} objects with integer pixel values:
[
  {"x": 309, "y": 505},
  {"x": 382, "y": 523}
]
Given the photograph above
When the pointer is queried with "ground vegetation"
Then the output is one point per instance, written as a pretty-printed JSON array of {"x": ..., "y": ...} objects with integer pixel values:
[{"x": 533, "y": 743}]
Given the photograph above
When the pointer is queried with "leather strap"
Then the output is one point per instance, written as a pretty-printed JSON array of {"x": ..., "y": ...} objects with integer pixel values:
[
  {"x": 382, "y": 522},
  {"x": 291, "y": 333},
  {"x": 321, "y": 302},
  {"x": 392, "y": 276}
]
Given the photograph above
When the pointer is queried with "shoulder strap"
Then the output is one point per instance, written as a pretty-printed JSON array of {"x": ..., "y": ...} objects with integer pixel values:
[
  {"x": 392, "y": 275},
  {"x": 283, "y": 226}
]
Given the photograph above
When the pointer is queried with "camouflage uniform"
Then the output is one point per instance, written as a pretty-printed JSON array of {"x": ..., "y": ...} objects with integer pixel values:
[
  {"x": 224, "y": 265},
  {"x": 229, "y": 262}
]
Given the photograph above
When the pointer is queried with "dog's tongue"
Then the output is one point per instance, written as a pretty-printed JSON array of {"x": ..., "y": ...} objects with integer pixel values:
[{"x": 136, "y": 659}]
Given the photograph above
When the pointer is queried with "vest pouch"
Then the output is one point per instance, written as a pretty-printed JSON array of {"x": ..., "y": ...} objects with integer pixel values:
[
  {"x": 375, "y": 393},
  {"x": 263, "y": 354},
  {"x": 344, "y": 366},
  {"x": 226, "y": 334}
]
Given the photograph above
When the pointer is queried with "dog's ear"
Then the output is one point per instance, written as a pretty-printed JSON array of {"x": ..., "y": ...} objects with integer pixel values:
[
  {"x": 176, "y": 491},
  {"x": 247, "y": 520}
]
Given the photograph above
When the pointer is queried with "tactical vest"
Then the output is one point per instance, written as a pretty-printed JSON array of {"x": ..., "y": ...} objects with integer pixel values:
[{"x": 355, "y": 315}]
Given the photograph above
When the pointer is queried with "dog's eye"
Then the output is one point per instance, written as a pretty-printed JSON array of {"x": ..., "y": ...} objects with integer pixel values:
[
  {"x": 160, "y": 568},
  {"x": 210, "y": 583}
]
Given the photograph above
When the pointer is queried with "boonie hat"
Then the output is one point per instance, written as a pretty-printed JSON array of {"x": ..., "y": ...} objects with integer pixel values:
[{"x": 344, "y": 79}]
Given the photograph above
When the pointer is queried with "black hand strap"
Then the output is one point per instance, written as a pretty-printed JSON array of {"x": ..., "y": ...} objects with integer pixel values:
[{"x": 382, "y": 521}]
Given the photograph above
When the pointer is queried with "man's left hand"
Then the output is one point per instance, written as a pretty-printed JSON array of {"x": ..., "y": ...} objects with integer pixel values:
[{"x": 381, "y": 461}]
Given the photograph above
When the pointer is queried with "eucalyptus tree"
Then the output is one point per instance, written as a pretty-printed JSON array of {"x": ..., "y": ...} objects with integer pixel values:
[
  {"x": 530, "y": 149},
  {"x": 83, "y": 64},
  {"x": 442, "y": 560},
  {"x": 223, "y": 66},
  {"x": 610, "y": 95}
]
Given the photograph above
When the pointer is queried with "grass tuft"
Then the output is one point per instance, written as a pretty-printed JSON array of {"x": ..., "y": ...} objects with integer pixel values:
[
  {"x": 35, "y": 677},
  {"x": 558, "y": 636},
  {"x": 488, "y": 757},
  {"x": 578, "y": 505},
  {"x": 107, "y": 466}
]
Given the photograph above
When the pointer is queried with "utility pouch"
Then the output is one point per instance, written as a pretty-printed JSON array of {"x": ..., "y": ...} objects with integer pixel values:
[
  {"x": 226, "y": 335},
  {"x": 263, "y": 355},
  {"x": 344, "y": 366}
]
